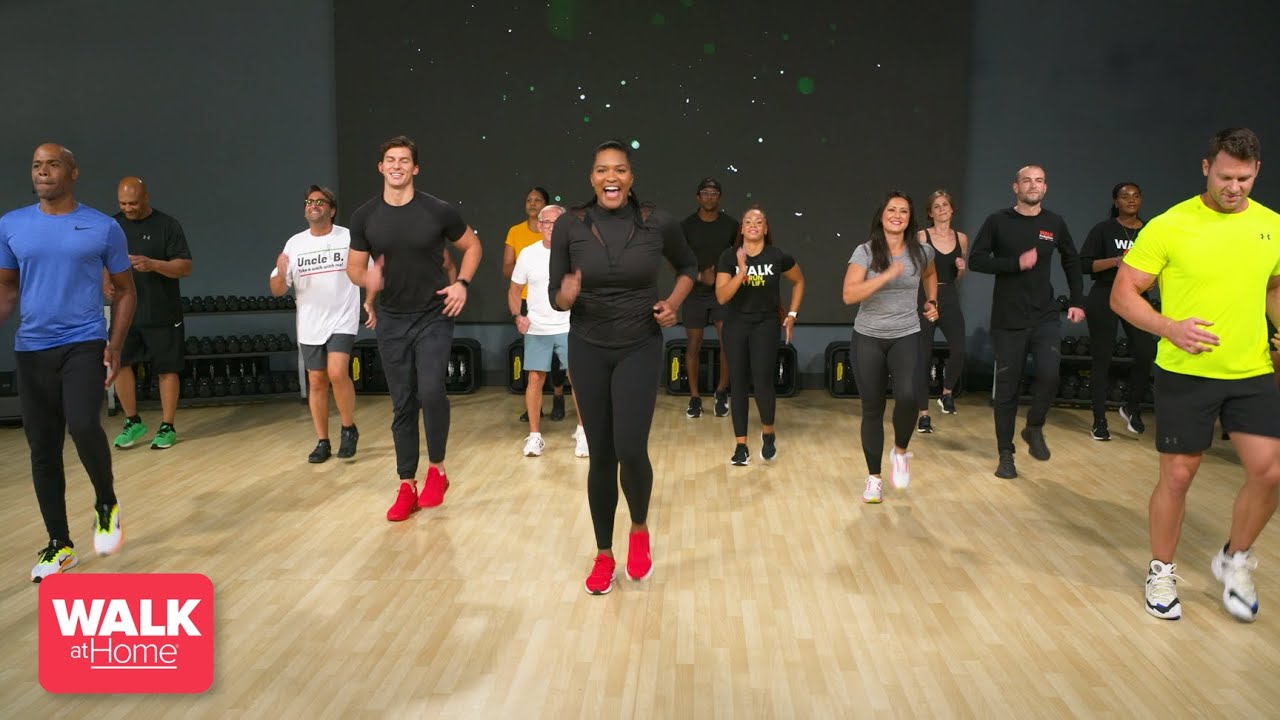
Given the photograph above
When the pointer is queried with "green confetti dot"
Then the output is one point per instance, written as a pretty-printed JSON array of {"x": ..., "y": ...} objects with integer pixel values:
[
  {"x": 586, "y": 118},
  {"x": 832, "y": 26},
  {"x": 805, "y": 85},
  {"x": 530, "y": 88},
  {"x": 786, "y": 36},
  {"x": 635, "y": 144},
  {"x": 624, "y": 82},
  {"x": 658, "y": 19},
  {"x": 557, "y": 198},
  {"x": 748, "y": 194},
  {"x": 686, "y": 3},
  {"x": 708, "y": 48}
]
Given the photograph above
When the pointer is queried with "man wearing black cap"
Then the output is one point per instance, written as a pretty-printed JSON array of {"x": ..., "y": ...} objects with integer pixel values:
[{"x": 709, "y": 231}]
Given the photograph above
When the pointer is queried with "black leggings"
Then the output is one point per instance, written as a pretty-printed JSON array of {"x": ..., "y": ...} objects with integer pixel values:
[
  {"x": 1011, "y": 348},
  {"x": 873, "y": 360},
  {"x": 751, "y": 344},
  {"x": 1102, "y": 341},
  {"x": 951, "y": 320},
  {"x": 616, "y": 390},
  {"x": 414, "y": 349},
  {"x": 61, "y": 391}
]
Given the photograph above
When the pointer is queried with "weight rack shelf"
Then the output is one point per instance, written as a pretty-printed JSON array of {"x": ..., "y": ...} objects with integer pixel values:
[
  {"x": 238, "y": 312},
  {"x": 216, "y": 356}
]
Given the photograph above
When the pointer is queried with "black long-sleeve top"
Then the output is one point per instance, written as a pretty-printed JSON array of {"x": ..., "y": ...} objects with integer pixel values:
[
  {"x": 619, "y": 271},
  {"x": 1023, "y": 299}
]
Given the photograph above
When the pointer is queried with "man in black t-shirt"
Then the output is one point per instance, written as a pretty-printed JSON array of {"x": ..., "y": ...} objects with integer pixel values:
[
  {"x": 1017, "y": 245},
  {"x": 158, "y": 250},
  {"x": 406, "y": 232},
  {"x": 709, "y": 231}
]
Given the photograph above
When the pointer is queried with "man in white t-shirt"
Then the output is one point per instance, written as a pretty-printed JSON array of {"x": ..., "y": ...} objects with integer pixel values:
[
  {"x": 545, "y": 330},
  {"x": 314, "y": 264}
]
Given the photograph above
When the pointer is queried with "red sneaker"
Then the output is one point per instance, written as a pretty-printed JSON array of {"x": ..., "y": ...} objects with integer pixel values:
[
  {"x": 433, "y": 489},
  {"x": 406, "y": 503},
  {"x": 600, "y": 581},
  {"x": 639, "y": 562}
]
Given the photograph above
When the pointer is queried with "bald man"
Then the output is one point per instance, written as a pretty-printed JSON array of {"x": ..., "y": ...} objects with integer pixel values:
[
  {"x": 51, "y": 256},
  {"x": 159, "y": 255}
]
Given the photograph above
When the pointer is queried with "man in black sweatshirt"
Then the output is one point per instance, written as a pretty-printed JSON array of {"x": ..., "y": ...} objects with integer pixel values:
[{"x": 1016, "y": 245}]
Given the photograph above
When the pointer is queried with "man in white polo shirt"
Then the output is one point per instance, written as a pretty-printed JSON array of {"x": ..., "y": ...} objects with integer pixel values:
[
  {"x": 545, "y": 330},
  {"x": 314, "y": 264}
]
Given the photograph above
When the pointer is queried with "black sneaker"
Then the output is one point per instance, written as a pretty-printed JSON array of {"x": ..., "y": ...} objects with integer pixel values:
[
  {"x": 557, "y": 407},
  {"x": 1035, "y": 442},
  {"x": 347, "y": 446},
  {"x": 321, "y": 453},
  {"x": 1133, "y": 421},
  {"x": 722, "y": 403},
  {"x": 524, "y": 416},
  {"x": 741, "y": 455},
  {"x": 947, "y": 403},
  {"x": 1100, "y": 431},
  {"x": 695, "y": 408},
  {"x": 924, "y": 424},
  {"x": 769, "y": 448},
  {"x": 1006, "y": 469}
]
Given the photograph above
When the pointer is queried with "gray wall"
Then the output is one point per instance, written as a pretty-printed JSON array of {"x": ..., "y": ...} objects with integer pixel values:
[{"x": 226, "y": 110}]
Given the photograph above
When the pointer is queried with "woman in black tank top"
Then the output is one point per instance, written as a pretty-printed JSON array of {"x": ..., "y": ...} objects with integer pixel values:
[{"x": 950, "y": 247}]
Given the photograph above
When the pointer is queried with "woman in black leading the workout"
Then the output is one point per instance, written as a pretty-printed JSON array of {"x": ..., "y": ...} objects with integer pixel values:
[
  {"x": 605, "y": 259},
  {"x": 1101, "y": 254},
  {"x": 950, "y": 248},
  {"x": 748, "y": 284}
]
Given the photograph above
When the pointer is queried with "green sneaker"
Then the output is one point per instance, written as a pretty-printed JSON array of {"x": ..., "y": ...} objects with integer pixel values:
[
  {"x": 165, "y": 437},
  {"x": 132, "y": 433}
]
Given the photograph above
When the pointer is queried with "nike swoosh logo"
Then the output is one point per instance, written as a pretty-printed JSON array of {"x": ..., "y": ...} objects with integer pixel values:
[
  {"x": 177, "y": 324},
  {"x": 83, "y": 228}
]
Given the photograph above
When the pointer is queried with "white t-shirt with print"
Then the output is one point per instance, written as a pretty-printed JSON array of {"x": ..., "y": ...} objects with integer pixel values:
[
  {"x": 533, "y": 269},
  {"x": 328, "y": 302}
]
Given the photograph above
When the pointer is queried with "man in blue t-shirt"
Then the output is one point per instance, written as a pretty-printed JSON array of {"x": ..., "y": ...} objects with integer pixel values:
[{"x": 51, "y": 260}]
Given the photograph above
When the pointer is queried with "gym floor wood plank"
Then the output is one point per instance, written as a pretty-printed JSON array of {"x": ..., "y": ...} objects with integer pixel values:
[{"x": 776, "y": 591}]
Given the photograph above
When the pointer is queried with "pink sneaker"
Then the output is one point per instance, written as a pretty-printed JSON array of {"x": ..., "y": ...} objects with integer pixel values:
[
  {"x": 433, "y": 489},
  {"x": 639, "y": 562},
  {"x": 600, "y": 581}
]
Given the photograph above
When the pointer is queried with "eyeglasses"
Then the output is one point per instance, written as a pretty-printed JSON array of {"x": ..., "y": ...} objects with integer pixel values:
[
  {"x": 319, "y": 202},
  {"x": 709, "y": 193},
  {"x": 546, "y": 222}
]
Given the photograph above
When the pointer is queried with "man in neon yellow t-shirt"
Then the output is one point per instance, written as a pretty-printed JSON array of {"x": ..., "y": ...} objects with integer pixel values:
[{"x": 1217, "y": 259}]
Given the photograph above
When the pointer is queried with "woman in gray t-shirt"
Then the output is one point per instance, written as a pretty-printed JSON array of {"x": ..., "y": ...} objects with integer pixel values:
[{"x": 884, "y": 276}]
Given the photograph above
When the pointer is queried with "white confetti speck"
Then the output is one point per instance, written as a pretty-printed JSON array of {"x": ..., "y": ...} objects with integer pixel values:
[
  {"x": 760, "y": 140},
  {"x": 732, "y": 168}
]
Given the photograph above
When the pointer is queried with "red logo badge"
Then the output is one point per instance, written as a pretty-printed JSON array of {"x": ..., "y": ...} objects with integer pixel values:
[
  {"x": 117, "y": 633},
  {"x": 1046, "y": 235}
]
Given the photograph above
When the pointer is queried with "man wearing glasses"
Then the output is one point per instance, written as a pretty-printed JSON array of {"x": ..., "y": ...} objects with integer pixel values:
[
  {"x": 314, "y": 264},
  {"x": 709, "y": 231},
  {"x": 159, "y": 254}
]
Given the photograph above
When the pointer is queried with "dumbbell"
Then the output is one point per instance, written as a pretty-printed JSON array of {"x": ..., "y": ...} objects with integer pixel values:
[
  {"x": 188, "y": 388},
  {"x": 234, "y": 384},
  {"x": 220, "y": 345},
  {"x": 290, "y": 303},
  {"x": 273, "y": 302},
  {"x": 279, "y": 382},
  {"x": 451, "y": 372},
  {"x": 1122, "y": 348},
  {"x": 1084, "y": 346},
  {"x": 1086, "y": 389},
  {"x": 206, "y": 346},
  {"x": 1068, "y": 345},
  {"x": 294, "y": 385},
  {"x": 197, "y": 305},
  {"x": 1122, "y": 389},
  {"x": 1114, "y": 392},
  {"x": 219, "y": 386},
  {"x": 264, "y": 382},
  {"x": 464, "y": 370},
  {"x": 204, "y": 387},
  {"x": 184, "y": 303},
  {"x": 1071, "y": 387},
  {"x": 233, "y": 344},
  {"x": 193, "y": 345}
]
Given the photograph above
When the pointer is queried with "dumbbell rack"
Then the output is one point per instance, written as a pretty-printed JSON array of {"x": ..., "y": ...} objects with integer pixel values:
[{"x": 244, "y": 398}]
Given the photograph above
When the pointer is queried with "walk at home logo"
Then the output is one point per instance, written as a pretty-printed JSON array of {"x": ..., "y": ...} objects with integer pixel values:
[{"x": 108, "y": 633}]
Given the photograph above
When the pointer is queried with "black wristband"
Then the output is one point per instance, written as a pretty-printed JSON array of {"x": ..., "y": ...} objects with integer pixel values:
[{"x": 465, "y": 282}]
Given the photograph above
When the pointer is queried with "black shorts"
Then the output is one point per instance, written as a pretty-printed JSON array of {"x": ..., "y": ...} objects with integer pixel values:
[
  {"x": 162, "y": 346},
  {"x": 700, "y": 308},
  {"x": 316, "y": 357},
  {"x": 1188, "y": 408}
]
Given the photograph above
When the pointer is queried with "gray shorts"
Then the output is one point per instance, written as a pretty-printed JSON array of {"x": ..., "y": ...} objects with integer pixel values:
[{"x": 316, "y": 357}]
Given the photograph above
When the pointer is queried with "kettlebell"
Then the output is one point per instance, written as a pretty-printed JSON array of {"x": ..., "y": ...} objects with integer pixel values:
[
  {"x": 193, "y": 345},
  {"x": 234, "y": 385},
  {"x": 1122, "y": 348},
  {"x": 220, "y": 345},
  {"x": 233, "y": 345},
  {"x": 273, "y": 302},
  {"x": 220, "y": 303},
  {"x": 1068, "y": 345},
  {"x": 1083, "y": 346},
  {"x": 197, "y": 305},
  {"x": 273, "y": 343},
  {"x": 206, "y": 346},
  {"x": 210, "y": 304},
  {"x": 259, "y": 343},
  {"x": 290, "y": 303},
  {"x": 294, "y": 385},
  {"x": 185, "y": 303},
  {"x": 188, "y": 388}
]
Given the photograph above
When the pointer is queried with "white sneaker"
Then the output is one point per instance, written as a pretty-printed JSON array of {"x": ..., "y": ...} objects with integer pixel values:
[
  {"x": 901, "y": 469},
  {"x": 107, "y": 535},
  {"x": 1162, "y": 591},
  {"x": 533, "y": 446},
  {"x": 1235, "y": 572},
  {"x": 872, "y": 493},
  {"x": 580, "y": 442}
]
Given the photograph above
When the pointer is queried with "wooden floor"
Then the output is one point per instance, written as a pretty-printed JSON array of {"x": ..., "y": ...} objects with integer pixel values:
[{"x": 776, "y": 593}]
